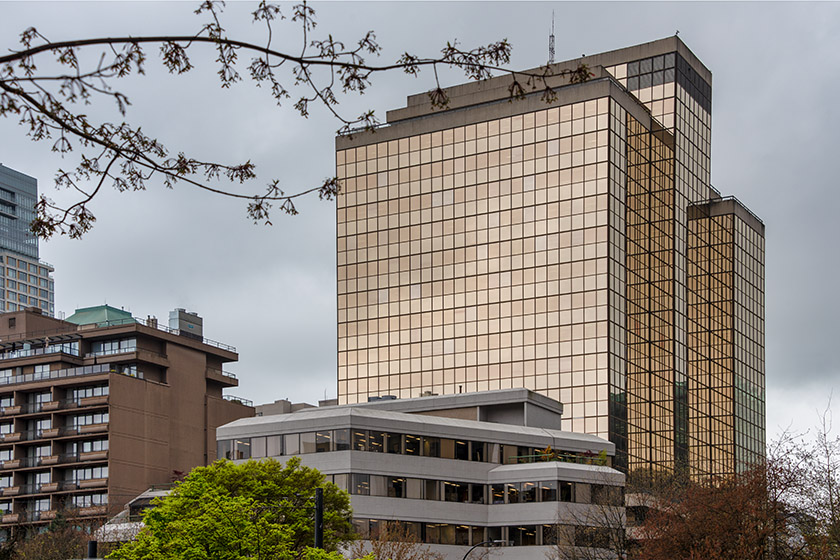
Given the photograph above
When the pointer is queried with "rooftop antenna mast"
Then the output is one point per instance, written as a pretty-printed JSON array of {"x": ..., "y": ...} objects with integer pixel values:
[{"x": 551, "y": 41}]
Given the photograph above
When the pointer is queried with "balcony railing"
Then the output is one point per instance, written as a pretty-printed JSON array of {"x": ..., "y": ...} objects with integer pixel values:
[
  {"x": 56, "y": 374},
  {"x": 154, "y": 324},
  {"x": 240, "y": 400},
  {"x": 27, "y": 353}
]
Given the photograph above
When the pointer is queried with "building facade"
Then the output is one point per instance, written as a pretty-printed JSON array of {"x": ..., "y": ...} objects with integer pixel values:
[
  {"x": 27, "y": 281},
  {"x": 575, "y": 248},
  {"x": 97, "y": 408},
  {"x": 456, "y": 470}
]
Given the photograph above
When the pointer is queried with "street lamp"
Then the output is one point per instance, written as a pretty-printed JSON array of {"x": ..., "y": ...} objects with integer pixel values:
[{"x": 494, "y": 543}]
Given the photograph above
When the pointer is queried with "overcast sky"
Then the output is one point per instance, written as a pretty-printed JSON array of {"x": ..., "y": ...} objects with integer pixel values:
[{"x": 270, "y": 291}]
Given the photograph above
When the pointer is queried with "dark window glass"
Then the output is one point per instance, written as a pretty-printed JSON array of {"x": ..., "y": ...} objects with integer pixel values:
[
  {"x": 670, "y": 60},
  {"x": 462, "y": 535},
  {"x": 360, "y": 484},
  {"x": 376, "y": 442},
  {"x": 395, "y": 443},
  {"x": 528, "y": 493},
  {"x": 497, "y": 492},
  {"x": 478, "y": 451},
  {"x": 412, "y": 445},
  {"x": 360, "y": 440},
  {"x": 396, "y": 488},
  {"x": 512, "y": 492},
  {"x": 603, "y": 495},
  {"x": 432, "y": 491},
  {"x": 645, "y": 65},
  {"x": 447, "y": 533},
  {"x": 462, "y": 450},
  {"x": 645, "y": 80},
  {"x": 477, "y": 493},
  {"x": 658, "y": 62},
  {"x": 669, "y": 75},
  {"x": 548, "y": 491},
  {"x": 633, "y": 68},
  {"x": 432, "y": 531},
  {"x": 341, "y": 439},
  {"x": 633, "y": 83},
  {"x": 565, "y": 491},
  {"x": 494, "y": 533},
  {"x": 658, "y": 78},
  {"x": 323, "y": 441},
  {"x": 431, "y": 447},
  {"x": 525, "y": 535}
]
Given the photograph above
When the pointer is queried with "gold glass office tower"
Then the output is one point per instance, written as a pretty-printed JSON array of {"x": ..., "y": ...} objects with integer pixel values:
[{"x": 575, "y": 248}]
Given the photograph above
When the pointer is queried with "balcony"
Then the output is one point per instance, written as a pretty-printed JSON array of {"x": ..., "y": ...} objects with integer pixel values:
[
  {"x": 37, "y": 461},
  {"x": 56, "y": 374},
  {"x": 93, "y": 428},
  {"x": 92, "y": 510},
  {"x": 7, "y": 438},
  {"x": 39, "y": 488},
  {"x": 93, "y": 483},
  {"x": 93, "y": 455},
  {"x": 40, "y": 434},
  {"x": 9, "y": 410},
  {"x": 10, "y": 464},
  {"x": 11, "y": 517},
  {"x": 222, "y": 376},
  {"x": 11, "y": 491}
]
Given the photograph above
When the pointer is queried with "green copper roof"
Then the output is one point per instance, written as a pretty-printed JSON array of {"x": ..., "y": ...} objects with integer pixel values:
[{"x": 101, "y": 315}]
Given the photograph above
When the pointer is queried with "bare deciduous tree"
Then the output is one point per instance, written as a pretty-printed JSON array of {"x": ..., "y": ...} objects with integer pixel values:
[
  {"x": 45, "y": 84},
  {"x": 394, "y": 541}
]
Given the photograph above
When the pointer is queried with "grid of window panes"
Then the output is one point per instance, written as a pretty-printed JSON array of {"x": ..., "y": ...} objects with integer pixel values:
[
  {"x": 475, "y": 258},
  {"x": 656, "y": 432},
  {"x": 750, "y": 420},
  {"x": 711, "y": 345},
  {"x": 25, "y": 283},
  {"x": 561, "y": 535},
  {"x": 18, "y": 194},
  {"x": 618, "y": 283}
]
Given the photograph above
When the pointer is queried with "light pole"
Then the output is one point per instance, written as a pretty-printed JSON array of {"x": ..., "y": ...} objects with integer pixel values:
[{"x": 495, "y": 543}]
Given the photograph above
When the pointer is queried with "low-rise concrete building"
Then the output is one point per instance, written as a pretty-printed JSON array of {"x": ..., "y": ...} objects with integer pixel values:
[{"x": 457, "y": 470}]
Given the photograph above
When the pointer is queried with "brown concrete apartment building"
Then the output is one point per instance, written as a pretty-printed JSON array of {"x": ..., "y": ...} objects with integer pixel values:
[{"x": 97, "y": 408}]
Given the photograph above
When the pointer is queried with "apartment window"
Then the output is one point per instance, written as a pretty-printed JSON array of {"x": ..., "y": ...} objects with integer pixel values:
[
  {"x": 12, "y": 322},
  {"x": 88, "y": 473},
  {"x": 90, "y": 500},
  {"x": 87, "y": 446},
  {"x": 6, "y": 400},
  {"x": 6, "y": 454},
  {"x": 105, "y": 347},
  {"x": 87, "y": 419},
  {"x": 7, "y": 427},
  {"x": 79, "y": 393},
  {"x": 6, "y": 481}
]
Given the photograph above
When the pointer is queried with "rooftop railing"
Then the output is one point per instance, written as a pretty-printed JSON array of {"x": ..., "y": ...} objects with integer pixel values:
[
  {"x": 240, "y": 400},
  {"x": 153, "y": 324}
]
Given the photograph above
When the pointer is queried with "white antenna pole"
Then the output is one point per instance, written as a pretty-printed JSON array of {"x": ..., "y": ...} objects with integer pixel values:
[{"x": 551, "y": 41}]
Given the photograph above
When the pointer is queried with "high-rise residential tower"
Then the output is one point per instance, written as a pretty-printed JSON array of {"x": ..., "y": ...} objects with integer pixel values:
[
  {"x": 574, "y": 247},
  {"x": 27, "y": 281}
]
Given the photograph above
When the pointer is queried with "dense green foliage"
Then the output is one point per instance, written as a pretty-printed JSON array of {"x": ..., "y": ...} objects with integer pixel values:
[{"x": 255, "y": 510}]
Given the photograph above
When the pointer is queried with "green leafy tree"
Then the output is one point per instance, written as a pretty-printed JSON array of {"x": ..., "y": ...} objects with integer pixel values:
[{"x": 255, "y": 510}]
